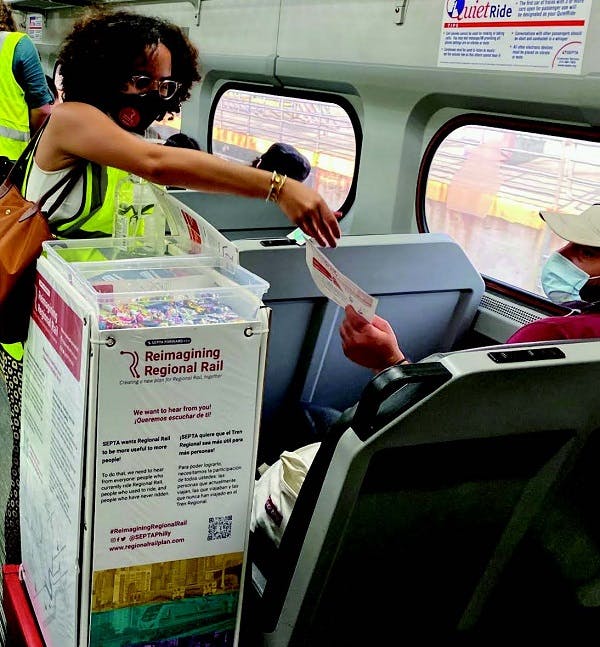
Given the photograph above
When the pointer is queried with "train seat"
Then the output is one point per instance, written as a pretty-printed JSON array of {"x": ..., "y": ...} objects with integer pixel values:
[
  {"x": 456, "y": 502},
  {"x": 427, "y": 289}
]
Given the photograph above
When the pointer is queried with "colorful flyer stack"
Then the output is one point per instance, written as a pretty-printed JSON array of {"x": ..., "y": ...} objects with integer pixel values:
[{"x": 141, "y": 403}]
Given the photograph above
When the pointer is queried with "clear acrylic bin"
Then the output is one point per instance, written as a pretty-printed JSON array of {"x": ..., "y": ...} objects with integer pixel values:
[
  {"x": 61, "y": 252},
  {"x": 149, "y": 292}
]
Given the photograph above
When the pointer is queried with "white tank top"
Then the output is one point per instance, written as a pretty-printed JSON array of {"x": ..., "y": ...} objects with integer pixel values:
[{"x": 41, "y": 181}]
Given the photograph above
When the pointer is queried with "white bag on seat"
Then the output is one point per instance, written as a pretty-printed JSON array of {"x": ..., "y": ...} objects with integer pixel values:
[{"x": 276, "y": 491}]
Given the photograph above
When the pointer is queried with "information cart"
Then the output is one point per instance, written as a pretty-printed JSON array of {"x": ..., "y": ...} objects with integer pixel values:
[{"x": 141, "y": 403}]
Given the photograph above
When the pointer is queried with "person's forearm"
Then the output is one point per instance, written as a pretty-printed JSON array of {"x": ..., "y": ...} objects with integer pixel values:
[{"x": 206, "y": 172}]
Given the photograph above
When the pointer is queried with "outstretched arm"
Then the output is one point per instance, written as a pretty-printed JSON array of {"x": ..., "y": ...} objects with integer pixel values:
[
  {"x": 80, "y": 131},
  {"x": 373, "y": 345}
]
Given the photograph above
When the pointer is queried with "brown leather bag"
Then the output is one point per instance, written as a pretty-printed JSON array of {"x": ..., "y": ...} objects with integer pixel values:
[{"x": 23, "y": 228}]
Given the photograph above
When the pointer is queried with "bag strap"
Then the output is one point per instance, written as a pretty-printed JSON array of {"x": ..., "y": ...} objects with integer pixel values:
[
  {"x": 67, "y": 183},
  {"x": 31, "y": 144}
]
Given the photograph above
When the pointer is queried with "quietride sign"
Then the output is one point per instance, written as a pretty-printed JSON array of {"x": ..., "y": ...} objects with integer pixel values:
[{"x": 536, "y": 35}]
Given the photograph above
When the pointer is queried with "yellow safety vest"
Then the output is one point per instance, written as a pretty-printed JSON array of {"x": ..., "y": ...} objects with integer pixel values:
[
  {"x": 95, "y": 215},
  {"x": 93, "y": 219},
  {"x": 14, "y": 113}
]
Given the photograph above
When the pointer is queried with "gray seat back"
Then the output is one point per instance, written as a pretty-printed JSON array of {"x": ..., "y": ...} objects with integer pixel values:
[
  {"x": 235, "y": 216},
  {"x": 469, "y": 515},
  {"x": 427, "y": 289}
]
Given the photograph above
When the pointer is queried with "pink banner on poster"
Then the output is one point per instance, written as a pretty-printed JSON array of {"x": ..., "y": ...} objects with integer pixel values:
[{"x": 59, "y": 323}]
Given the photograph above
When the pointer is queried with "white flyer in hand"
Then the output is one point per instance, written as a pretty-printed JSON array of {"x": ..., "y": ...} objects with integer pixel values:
[{"x": 335, "y": 285}]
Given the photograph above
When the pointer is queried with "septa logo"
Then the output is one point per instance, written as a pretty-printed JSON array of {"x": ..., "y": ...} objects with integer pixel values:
[
  {"x": 135, "y": 359},
  {"x": 454, "y": 8},
  {"x": 130, "y": 117}
]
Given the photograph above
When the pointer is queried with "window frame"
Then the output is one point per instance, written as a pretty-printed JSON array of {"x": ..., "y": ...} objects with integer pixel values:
[
  {"x": 314, "y": 95},
  {"x": 526, "y": 126}
]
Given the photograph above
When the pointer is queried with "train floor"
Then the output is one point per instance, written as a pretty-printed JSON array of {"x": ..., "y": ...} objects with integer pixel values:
[{"x": 5, "y": 464}]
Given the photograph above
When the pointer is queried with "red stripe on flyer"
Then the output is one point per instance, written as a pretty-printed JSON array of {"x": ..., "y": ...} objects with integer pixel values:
[
  {"x": 515, "y": 23},
  {"x": 319, "y": 266},
  {"x": 192, "y": 226}
]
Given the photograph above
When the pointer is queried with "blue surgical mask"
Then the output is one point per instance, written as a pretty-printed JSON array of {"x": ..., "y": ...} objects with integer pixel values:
[{"x": 562, "y": 280}]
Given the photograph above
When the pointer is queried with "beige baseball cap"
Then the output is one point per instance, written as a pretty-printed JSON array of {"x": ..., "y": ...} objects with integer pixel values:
[{"x": 583, "y": 228}]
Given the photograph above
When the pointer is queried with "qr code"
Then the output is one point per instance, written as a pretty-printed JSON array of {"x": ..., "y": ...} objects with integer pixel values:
[{"x": 219, "y": 527}]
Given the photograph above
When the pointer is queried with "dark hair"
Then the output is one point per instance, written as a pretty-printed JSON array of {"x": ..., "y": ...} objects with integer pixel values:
[
  {"x": 99, "y": 55},
  {"x": 180, "y": 140},
  {"x": 7, "y": 22},
  {"x": 285, "y": 159},
  {"x": 51, "y": 86}
]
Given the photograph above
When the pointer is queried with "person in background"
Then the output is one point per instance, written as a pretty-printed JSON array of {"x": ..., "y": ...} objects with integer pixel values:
[
  {"x": 570, "y": 276},
  {"x": 120, "y": 72},
  {"x": 285, "y": 159},
  {"x": 180, "y": 140},
  {"x": 25, "y": 100}
]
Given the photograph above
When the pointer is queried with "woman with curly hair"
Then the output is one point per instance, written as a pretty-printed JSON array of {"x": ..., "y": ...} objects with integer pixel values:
[
  {"x": 7, "y": 22},
  {"x": 120, "y": 72}
]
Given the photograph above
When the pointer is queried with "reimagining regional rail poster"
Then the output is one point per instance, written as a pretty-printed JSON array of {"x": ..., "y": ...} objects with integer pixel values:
[{"x": 177, "y": 410}]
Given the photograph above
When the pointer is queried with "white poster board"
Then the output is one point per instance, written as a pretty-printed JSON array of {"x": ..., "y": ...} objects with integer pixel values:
[
  {"x": 52, "y": 431},
  {"x": 514, "y": 35},
  {"x": 177, "y": 411}
]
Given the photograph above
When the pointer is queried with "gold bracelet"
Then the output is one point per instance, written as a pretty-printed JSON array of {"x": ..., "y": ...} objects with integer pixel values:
[{"x": 277, "y": 182}]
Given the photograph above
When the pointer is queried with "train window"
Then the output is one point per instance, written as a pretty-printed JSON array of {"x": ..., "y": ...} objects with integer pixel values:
[
  {"x": 486, "y": 185},
  {"x": 245, "y": 123}
]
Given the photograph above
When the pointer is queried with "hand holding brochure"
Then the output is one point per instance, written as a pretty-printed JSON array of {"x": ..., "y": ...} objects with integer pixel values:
[{"x": 335, "y": 285}]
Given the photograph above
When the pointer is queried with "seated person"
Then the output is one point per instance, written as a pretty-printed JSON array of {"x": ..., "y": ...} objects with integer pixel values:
[
  {"x": 570, "y": 276},
  {"x": 181, "y": 140},
  {"x": 284, "y": 159}
]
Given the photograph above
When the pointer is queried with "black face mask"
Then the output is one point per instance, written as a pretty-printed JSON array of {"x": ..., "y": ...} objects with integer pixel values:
[{"x": 135, "y": 112}]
